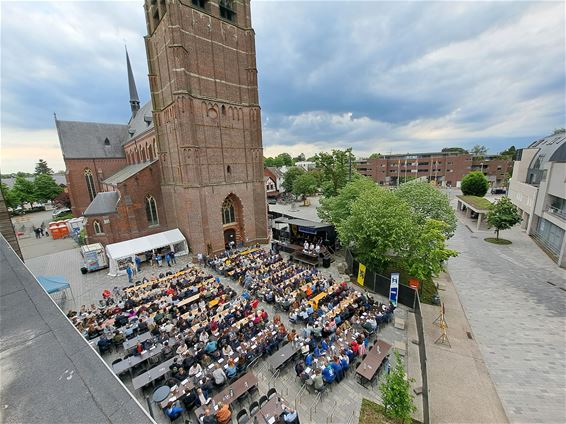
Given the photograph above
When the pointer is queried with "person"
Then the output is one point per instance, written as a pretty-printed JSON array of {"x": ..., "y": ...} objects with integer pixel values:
[
  {"x": 223, "y": 415},
  {"x": 159, "y": 259},
  {"x": 318, "y": 381},
  {"x": 104, "y": 344},
  {"x": 195, "y": 369},
  {"x": 227, "y": 350},
  {"x": 211, "y": 346},
  {"x": 231, "y": 370},
  {"x": 290, "y": 416},
  {"x": 129, "y": 272},
  {"x": 172, "y": 257},
  {"x": 138, "y": 263},
  {"x": 208, "y": 418},
  {"x": 202, "y": 398},
  {"x": 168, "y": 259},
  {"x": 173, "y": 410},
  {"x": 299, "y": 368},
  {"x": 219, "y": 376},
  {"x": 328, "y": 374}
]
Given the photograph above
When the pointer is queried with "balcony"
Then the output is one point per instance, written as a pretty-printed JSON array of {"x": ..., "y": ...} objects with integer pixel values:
[{"x": 560, "y": 213}]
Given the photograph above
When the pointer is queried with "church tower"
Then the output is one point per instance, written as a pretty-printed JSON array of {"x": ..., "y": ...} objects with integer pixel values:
[{"x": 203, "y": 82}]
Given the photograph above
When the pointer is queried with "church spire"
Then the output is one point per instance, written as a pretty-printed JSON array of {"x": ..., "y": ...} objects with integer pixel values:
[{"x": 134, "y": 99}]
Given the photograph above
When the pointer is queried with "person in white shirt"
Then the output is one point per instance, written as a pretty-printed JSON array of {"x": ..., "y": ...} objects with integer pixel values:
[
  {"x": 219, "y": 376},
  {"x": 227, "y": 350},
  {"x": 195, "y": 369},
  {"x": 203, "y": 336}
]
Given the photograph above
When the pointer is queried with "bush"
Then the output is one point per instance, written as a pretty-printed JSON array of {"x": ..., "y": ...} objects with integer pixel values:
[{"x": 474, "y": 184}]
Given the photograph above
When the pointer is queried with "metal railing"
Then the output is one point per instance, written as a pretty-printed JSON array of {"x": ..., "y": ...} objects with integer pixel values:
[
  {"x": 300, "y": 394},
  {"x": 561, "y": 213},
  {"x": 314, "y": 404},
  {"x": 330, "y": 417}
]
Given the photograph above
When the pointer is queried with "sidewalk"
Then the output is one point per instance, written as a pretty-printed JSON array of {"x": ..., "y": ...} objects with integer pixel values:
[{"x": 461, "y": 390}]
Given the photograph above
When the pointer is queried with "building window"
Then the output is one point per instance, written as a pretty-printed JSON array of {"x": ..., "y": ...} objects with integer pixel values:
[
  {"x": 228, "y": 169},
  {"x": 106, "y": 142},
  {"x": 227, "y": 10},
  {"x": 97, "y": 227},
  {"x": 151, "y": 211},
  {"x": 90, "y": 184},
  {"x": 228, "y": 212},
  {"x": 199, "y": 3}
]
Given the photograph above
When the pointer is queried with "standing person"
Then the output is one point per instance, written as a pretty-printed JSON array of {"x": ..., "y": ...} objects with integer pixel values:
[
  {"x": 168, "y": 259},
  {"x": 159, "y": 259},
  {"x": 138, "y": 263},
  {"x": 129, "y": 272},
  {"x": 173, "y": 258}
]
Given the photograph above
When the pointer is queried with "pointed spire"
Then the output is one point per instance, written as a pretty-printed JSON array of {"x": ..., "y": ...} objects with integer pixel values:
[{"x": 134, "y": 99}]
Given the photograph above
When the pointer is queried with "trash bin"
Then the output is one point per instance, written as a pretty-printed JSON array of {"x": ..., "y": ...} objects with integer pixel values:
[
  {"x": 326, "y": 262},
  {"x": 84, "y": 270}
]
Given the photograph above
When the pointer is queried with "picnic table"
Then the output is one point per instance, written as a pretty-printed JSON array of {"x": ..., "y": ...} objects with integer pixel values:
[
  {"x": 280, "y": 358},
  {"x": 151, "y": 375},
  {"x": 272, "y": 409},
  {"x": 369, "y": 366},
  {"x": 134, "y": 341}
]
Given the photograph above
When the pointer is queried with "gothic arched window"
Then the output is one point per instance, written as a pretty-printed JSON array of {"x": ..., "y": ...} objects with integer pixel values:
[
  {"x": 151, "y": 210},
  {"x": 90, "y": 184},
  {"x": 228, "y": 212},
  {"x": 97, "y": 227}
]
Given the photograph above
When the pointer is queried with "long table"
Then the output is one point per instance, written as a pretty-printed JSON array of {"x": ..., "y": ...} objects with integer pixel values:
[
  {"x": 369, "y": 366},
  {"x": 151, "y": 375},
  {"x": 239, "y": 387},
  {"x": 279, "y": 358},
  {"x": 141, "y": 338},
  {"x": 132, "y": 361},
  {"x": 273, "y": 408}
]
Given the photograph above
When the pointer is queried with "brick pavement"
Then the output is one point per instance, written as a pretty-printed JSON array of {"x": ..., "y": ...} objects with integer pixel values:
[{"x": 518, "y": 319}]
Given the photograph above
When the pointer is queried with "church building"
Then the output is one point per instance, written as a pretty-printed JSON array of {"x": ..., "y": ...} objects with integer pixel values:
[{"x": 192, "y": 157}]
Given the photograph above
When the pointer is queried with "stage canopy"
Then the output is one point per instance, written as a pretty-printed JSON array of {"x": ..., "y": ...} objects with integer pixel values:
[
  {"x": 120, "y": 254},
  {"x": 53, "y": 283}
]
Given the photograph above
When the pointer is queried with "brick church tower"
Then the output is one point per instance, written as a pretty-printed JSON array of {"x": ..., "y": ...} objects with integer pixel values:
[{"x": 203, "y": 82}]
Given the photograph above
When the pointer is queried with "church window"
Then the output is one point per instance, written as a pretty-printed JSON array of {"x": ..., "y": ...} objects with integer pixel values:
[
  {"x": 228, "y": 169},
  {"x": 199, "y": 3},
  {"x": 223, "y": 110},
  {"x": 228, "y": 212},
  {"x": 106, "y": 142},
  {"x": 97, "y": 227},
  {"x": 90, "y": 184},
  {"x": 151, "y": 211},
  {"x": 227, "y": 10}
]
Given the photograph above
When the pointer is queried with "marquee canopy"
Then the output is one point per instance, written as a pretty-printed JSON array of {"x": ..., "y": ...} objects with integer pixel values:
[{"x": 53, "y": 283}]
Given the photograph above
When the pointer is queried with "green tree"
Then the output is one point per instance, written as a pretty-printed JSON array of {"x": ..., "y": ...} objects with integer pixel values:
[
  {"x": 336, "y": 209},
  {"x": 8, "y": 195},
  {"x": 509, "y": 153},
  {"x": 285, "y": 159},
  {"x": 46, "y": 188},
  {"x": 428, "y": 203},
  {"x": 300, "y": 158},
  {"x": 398, "y": 400},
  {"x": 379, "y": 229},
  {"x": 290, "y": 176},
  {"x": 559, "y": 131},
  {"x": 23, "y": 190},
  {"x": 479, "y": 151},
  {"x": 375, "y": 156},
  {"x": 454, "y": 150},
  {"x": 502, "y": 215},
  {"x": 336, "y": 168},
  {"x": 42, "y": 168},
  {"x": 474, "y": 184},
  {"x": 305, "y": 185},
  {"x": 428, "y": 251}
]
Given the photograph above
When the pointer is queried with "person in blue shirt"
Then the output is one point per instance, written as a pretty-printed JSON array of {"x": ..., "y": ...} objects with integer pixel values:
[
  {"x": 173, "y": 410},
  {"x": 328, "y": 374},
  {"x": 138, "y": 263},
  {"x": 317, "y": 352},
  {"x": 232, "y": 369},
  {"x": 129, "y": 272},
  {"x": 337, "y": 368},
  {"x": 211, "y": 346},
  {"x": 309, "y": 360},
  {"x": 324, "y": 345}
]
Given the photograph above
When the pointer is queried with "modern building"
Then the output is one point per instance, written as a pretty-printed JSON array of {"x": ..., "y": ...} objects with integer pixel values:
[
  {"x": 443, "y": 168},
  {"x": 538, "y": 189},
  {"x": 192, "y": 158}
]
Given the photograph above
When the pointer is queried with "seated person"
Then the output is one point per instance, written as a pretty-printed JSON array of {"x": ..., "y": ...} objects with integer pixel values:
[
  {"x": 181, "y": 374},
  {"x": 219, "y": 376},
  {"x": 223, "y": 415},
  {"x": 208, "y": 417},
  {"x": 190, "y": 399},
  {"x": 202, "y": 398},
  {"x": 290, "y": 416},
  {"x": 195, "y": 369},
  {"x": 328, "y": 374},
  {"x": 173, "y": 410},
  {"x": 104, "y": 344},
  {"x": 227, "y": 350},
  {"x": 231, "y": 370},
  {"x": 299, "y": 368},
  {"x": 317, "y": 381},
  {"x": 211, "y": 346}
]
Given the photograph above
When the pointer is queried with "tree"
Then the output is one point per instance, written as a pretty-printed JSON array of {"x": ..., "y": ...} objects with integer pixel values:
[
  {"x": 379, "y": 229},
  {"x": 428, "y": 203},
  {"x": 428, "y": 251},
  {"x": 23, "y": 190},
  {"x": 336, "y": 209},
  {"x": 396, "y": 393},
  {"x": 559, "y": 131},
  {"x": 300, "y": 158},
  {"x": 479, "y": 151},
  {"x": 285, "y": 159},
  {"x": 454, "y": 150},
  {"x": 474, "y": 184},
  {"x": 305, "y": 185},
  {"x": 8, "y": 195},
  {"x": 46, "y": 188},
  {"x": 502, "y": 215},
  {"x": 509, "y": 153},
  {"x": 62, "y": 200},
  {"x": 290, "y": 176},
  {"x": 336, "y": 168},
  {"x": 42, "y": 168},
  {"x": 375, "y": 156}
]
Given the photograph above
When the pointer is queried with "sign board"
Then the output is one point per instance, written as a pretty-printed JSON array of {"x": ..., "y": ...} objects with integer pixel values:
[
  {"x": 307, "y": 230},
  {"x": 414, "y": 283},
  {"x": 394, "y": 288},
  {"x": 361, "y": 274}
]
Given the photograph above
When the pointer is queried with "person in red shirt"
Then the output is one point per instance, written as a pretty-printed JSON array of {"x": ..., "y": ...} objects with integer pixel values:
[
  {"x": 264, "y": 315},
  {"x": 355, "y": 347}
]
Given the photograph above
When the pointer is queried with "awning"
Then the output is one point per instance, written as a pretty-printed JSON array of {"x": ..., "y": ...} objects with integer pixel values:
[
  {"x": 53, "y": 283},
  {"x": 303, "y": 223}
]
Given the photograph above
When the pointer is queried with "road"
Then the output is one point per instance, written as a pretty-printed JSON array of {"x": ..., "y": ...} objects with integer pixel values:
[{"x": 515, "y": 300}]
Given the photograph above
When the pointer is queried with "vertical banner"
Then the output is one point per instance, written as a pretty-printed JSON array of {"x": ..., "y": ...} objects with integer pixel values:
[
  {"x": 394, "y": 288},
  {"x": 361, "y": 274}
]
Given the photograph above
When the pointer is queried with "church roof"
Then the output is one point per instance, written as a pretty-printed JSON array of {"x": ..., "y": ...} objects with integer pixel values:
[
  {"x": 127, "y": 172},
  {"x": 81, "y": 140},
  {"x": 141, "y": 122},
  {"x": 103, "y": 204}
]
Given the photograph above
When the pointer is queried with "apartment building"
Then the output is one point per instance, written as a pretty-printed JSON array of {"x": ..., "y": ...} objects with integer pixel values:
[
  {"x": 443, "y": 168},
  {"x": 538, "y": 189}
]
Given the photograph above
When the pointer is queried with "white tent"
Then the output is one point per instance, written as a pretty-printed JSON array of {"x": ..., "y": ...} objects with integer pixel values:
[{"x": 120, "y": 254}]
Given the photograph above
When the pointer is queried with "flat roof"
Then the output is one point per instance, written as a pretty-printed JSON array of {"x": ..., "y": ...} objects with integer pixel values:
[
  {"x": 478, "y": 204},
  {"x": 50, "y": 374},
  {"x": 299, "y": 211}
]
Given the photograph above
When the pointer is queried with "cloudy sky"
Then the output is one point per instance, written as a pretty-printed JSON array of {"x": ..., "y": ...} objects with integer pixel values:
[{"x": 376, "y": 76}]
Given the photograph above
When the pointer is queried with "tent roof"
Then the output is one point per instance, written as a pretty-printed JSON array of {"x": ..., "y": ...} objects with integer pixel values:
[
  {"x": 143, "y": 244},
  {"x": 53, "y": 283},
  {"x": 302, "y": 222}
]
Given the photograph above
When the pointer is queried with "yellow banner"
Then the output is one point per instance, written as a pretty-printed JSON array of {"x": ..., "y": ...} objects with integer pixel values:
[{"x": 361, "y": 274}]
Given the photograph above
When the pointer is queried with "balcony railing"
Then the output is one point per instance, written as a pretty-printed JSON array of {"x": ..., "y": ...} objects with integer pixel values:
[{"x": 561, "y": 213}]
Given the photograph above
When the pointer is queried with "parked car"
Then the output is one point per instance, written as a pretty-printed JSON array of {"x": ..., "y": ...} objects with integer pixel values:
[
  {"x": 498, "y": 190},
  {"x": 60, "y": 212}
]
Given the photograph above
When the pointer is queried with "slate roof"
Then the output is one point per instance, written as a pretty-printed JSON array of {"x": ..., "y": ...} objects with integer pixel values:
[
  {"x": 127, "y": 172},
  {"x": 50, "y": 374},
  {"x": 81, "y": 140},
  {"x": 104, "y": 203},
  {"x": 142, "y": 122},
  {"x": 276, "y": 171}
]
